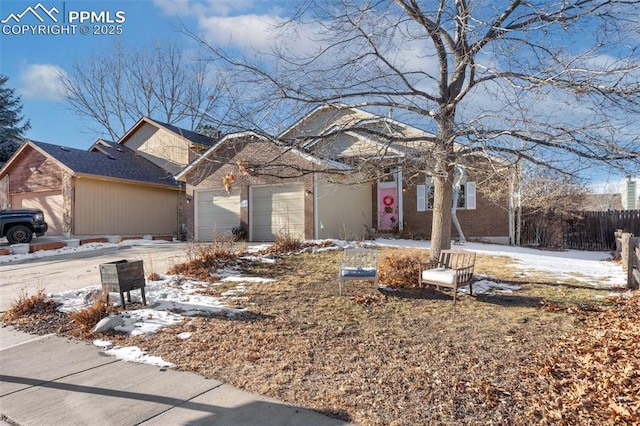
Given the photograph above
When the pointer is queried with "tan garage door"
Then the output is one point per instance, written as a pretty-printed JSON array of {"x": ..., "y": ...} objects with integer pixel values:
[
  {"x": 217, "y": 213},
  {"x": 276, "y": 210},
  {"x": 49, "y": 202}
]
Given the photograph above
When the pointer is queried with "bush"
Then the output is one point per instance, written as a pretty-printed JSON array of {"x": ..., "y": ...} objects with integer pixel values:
[
  {"x": 401, "y": 267},
  {"x": 286, "y": 243},
  {"x": 26, "y": 305},
  {"x": 203, "y": 260},
  {"x": 86, "y": 319}
]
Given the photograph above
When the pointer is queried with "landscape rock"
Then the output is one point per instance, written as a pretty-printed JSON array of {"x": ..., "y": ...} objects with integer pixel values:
[{"x": 108, "y": 323}]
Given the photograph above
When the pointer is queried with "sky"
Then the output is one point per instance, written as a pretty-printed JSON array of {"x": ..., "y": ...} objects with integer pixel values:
[
  {"x": 33, "y": 61},
  {"x": 77, "y": 29},
  {"x": 170, "y": 294}
]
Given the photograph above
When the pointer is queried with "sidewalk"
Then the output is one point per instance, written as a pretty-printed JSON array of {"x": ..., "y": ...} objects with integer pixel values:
[{"x": 51, "y": 380}]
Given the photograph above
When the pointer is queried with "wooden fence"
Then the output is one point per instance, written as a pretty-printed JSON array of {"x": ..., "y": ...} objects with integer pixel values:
[
  {"x": 628, "y": 248},
  {"x": 583, "y": 230}
]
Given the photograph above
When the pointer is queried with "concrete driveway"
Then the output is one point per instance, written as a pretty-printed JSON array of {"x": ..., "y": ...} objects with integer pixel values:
[{"x": 78, "y": 270}]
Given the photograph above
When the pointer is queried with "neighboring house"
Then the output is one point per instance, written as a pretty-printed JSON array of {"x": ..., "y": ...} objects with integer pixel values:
[
  {"x": 168, "y": 146},
  {"x": 123, "y": 188},
  {"x": 305, "y": 182},
  {"x": 106, "y": 190},
  {"x": 602, "y": 202}
]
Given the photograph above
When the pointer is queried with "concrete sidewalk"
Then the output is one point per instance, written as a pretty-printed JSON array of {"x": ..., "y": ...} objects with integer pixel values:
[{"x": 51, "y": 380}]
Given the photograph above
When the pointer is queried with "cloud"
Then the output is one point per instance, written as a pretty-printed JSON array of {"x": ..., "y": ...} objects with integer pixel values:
[
  {"x": 242, "y": 31},
  {"x": 202, "y": 8},
  {"x": 42, "y": 81}
]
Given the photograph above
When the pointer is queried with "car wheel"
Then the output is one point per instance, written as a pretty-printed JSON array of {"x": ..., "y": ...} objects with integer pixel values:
[{"x": 19, "y": 234}]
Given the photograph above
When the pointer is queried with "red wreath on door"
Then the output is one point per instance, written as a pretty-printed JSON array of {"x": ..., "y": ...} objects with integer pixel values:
[{"x": 388, "y": 201}]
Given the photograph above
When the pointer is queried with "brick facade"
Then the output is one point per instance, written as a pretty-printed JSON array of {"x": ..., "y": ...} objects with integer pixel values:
[
  {"x": 486, "y": 221},
  {"x": 47, "y": 175}
]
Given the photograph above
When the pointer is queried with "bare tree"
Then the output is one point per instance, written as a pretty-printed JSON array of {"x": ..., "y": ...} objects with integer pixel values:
[
  {"x": 115, "y": 88},
  {"x": 551, "y": 83}
]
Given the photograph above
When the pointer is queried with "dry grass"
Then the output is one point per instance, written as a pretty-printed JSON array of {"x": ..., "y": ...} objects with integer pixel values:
[
  {"x": 30, "y": 305},
  {"x": 86, "y": 319},
  {"x": 401, "y": 268},
  {"x": 204, "y": 259},
  {"x": 410, "y": 356}
]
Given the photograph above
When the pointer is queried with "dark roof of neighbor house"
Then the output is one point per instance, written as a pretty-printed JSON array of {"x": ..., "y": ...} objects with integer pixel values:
[
  {"x": 112, "y": 160},
  {"x": 187, "y": 134},
  {"x": 602, "y": 202}
]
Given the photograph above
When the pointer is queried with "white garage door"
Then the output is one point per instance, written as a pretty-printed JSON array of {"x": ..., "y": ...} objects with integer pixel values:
[
  {"x": 217, "y": 213},
  {"x": 277, "y": 210},
  {"x": 49, "y": 202}
]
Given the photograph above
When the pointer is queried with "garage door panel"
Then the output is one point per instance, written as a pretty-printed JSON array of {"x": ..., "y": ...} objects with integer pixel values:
[
  {"x": 277, "y": 210},
  {"x": 49, "y": 202},
  {"x": 217, "y": 213}
]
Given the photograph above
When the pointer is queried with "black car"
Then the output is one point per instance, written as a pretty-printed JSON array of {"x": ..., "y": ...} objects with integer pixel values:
[{"x": 20, "y": 225}]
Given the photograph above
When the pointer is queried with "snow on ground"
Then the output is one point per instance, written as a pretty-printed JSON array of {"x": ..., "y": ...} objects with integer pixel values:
[
  {"x": 82, "y": 248},
  {"x": 173, "y": 300},
  {"x": 589, "y": 267}
]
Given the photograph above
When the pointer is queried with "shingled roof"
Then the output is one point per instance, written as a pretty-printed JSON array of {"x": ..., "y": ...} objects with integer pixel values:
[{"x": 108, "y": 159}]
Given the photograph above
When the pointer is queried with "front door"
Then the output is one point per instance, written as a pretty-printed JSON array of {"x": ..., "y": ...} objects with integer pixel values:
[{"x": 387, "y": 207}]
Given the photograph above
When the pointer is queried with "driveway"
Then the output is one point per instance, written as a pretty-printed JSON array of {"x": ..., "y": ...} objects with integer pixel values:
[{"x": 78, "y": 270}]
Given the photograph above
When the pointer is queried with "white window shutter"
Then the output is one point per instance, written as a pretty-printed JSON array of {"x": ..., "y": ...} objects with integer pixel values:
[
  {"x": 471, "y": 195},
  {"x": 421, "y": 190}
]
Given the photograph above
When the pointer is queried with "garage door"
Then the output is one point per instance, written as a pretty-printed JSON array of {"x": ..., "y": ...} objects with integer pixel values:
[
  {"x": 49, "y": 202},
  {"x": 277, "y": 210},
  {"x": 217, "y": 213}
]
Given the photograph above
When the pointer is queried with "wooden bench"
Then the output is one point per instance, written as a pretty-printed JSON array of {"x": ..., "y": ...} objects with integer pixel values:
[
  {"x": 454, "y": 269},
  {"x": 358, "y": 264}
]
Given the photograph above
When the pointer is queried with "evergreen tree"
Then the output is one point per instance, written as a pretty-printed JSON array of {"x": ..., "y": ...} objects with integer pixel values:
[{"x": 11, "y": 131}]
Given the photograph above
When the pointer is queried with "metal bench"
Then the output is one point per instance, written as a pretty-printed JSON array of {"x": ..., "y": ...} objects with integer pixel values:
[
  {"x": 453, "y": 270},
  {"x": 358, "y": 264}
]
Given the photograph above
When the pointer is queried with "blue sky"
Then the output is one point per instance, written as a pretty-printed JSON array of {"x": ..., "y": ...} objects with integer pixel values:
[{"x": 33, "y": 61}]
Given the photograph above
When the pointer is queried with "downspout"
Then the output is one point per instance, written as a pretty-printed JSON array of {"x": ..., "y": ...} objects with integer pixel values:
[
  {"x": 316, "y": 223},
  {"x": 400, "y": 199},
  {"x": 457, "y": 180},
  {"x": 512, "y": 218}
]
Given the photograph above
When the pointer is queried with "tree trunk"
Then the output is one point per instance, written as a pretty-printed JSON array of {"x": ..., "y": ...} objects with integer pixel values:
[{"x": 441, "y": 225}]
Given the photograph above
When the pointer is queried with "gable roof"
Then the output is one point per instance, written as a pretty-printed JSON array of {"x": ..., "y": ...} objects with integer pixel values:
[
  {"x": 364, "y": 127},
  {"x": 188, "y": 135},
  {"x": 249, "y": 134},
  {"x": 106, "y": 159}
]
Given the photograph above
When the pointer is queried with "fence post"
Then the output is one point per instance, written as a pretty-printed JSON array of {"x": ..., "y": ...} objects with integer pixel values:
[
  {"x": 632, "y": 262},
  {"x": 618, "y": 238},
  {"x": 624, "y": 255}
]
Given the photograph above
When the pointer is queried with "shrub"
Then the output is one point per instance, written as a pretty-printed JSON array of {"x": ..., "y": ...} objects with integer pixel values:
[
  {"x": 204, "y": 259},
  {"x": 87, "y": 318},
  {"x": 286, "y": 243},
  {"x": 26, "y": 305},
  {"x": 401, "y": 267}
]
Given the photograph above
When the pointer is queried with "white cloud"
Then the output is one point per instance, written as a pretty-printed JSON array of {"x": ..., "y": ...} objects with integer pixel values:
[
  {"x": 41, "y": 81},
  {"x": 202, "y": 8},
  {"x": 242, "y": 31}
]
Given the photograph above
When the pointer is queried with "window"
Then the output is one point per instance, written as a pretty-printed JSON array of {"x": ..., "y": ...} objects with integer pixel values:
[
  {"x": 389, "y": 174},
  {"x": 425, "y": 196}
]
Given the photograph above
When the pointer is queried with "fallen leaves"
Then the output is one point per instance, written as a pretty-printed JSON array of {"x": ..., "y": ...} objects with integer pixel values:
[{"x": 592, "y": 376}]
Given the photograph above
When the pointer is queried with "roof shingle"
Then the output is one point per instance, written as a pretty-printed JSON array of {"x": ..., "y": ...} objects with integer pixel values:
[{"x": 117, "y": 161}]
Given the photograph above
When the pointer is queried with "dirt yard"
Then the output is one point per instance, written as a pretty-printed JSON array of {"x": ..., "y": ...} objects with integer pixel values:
[{"x": 547, "y": 354}]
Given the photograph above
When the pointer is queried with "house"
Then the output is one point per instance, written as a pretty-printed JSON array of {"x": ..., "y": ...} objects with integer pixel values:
[
  {"x": 315, "y": 181},
  {"x": 272, "y": 190},
  {"x": 169, "y": 147},
  {"x": 123, "y": 188},
  {"x": 338, "y": 172},
  {"x": 106, "y": 190}
]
